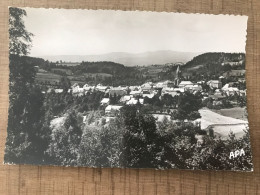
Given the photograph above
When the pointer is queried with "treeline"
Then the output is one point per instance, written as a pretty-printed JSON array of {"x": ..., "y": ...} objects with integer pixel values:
[
  {"x": 136, "y": 140},
  {"x": 208, "y": 66},
  {"x": 105, "y": 72},
  {"x": 218, "y": 58}
]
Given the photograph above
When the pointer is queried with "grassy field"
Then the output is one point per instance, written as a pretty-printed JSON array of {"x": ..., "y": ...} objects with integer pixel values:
[
  {"x": 47, "y": 76},
  {"x": 236, "y": 112},
  {"x": 103, "y": 75},
  {"x": 209, "y": 117},
  {"x": 67, "y": 71},
  {"x": 195, "y": 68},
  {"x": 222, "y": 125},
  {"x": 55, "y": 78},
  {"x": 223, "y": 131}
]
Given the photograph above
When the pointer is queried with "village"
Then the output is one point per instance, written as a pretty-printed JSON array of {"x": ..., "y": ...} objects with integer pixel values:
[{"x": 213, "y": 93}]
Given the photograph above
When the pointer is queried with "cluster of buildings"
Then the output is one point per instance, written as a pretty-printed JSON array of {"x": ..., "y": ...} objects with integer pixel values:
[{"x": 132, "y": 95}]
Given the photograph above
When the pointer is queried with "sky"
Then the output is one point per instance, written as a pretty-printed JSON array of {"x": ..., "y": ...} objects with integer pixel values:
[{"x": 93, "y": 32}]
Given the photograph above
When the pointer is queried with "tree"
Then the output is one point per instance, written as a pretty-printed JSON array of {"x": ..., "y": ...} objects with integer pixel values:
[
  {"x": 20, "y": 39},
  {"x": 24, "y": 143},
  {"x": 65, "y": 83},
  {"x": 25, "y": 112},
  {"x": 100, "y": 146},
  {"x": 168, "y": 100},
  {"x": 65, "y": 139},
  {"x": 215, "y": 153},
  {"x": 140, "y": 138},
  {"x": 188, "y": 106}
]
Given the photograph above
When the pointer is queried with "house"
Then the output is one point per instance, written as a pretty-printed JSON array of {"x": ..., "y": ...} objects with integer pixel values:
[
  {"x": 147, "y": 86},
  {"x": 172, "y": 91},
  {"x": 126, "y": 88},
  {"x": 230, "y": 90},
  {"x": 134, "y": 88},
  {"x": 134, "y": 101},
  {"x": 74, "y": 86},
  {"x": 77, "y": 90},
  {"x": 104, "y": 101},
  {"x": 136, "y": 93},
  {"x": 125, "y": 98},
  {"x": 58, "y": 90},
  {"x": 117, "y": 91},
  {"x": 184, "y": 83},
  {"x": 159, "y": 85},
  {"x": 192, "y": 88},
  {"x": 169, "y": 91},
  {"x": 180, "y": 90},
  {"x": 87, "y": 88},
  {"x": 217, "y": 96},
  {"x": 165, "y": 84},
  {"x": 111, "y": 109},
  {"x": 214, "y": 84},
  {"x": 200, "y": 82},
  {"x": 101, "y": 88},
  {"x": 149, "y": 95}
]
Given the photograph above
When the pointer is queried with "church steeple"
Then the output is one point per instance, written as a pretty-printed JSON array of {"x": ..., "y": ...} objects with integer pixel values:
[
  {"x": 177, "y": 72},
  {"x": 177, "y": 77}
]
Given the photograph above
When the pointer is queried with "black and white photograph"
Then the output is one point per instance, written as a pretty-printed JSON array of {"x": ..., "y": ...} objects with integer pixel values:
[{"x": 127, "y": 89}]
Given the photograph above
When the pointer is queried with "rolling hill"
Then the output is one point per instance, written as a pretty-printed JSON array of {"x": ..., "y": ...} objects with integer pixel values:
[
  {"x": 216, "y": 59},
  {"x": 129, "y": 59}
]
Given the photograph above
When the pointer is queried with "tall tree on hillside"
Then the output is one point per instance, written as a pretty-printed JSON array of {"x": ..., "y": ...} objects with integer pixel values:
[{"x": 26, "y": 100}]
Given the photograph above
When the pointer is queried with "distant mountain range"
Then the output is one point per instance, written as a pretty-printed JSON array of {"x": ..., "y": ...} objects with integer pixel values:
[{"x": 129, "y": 59}]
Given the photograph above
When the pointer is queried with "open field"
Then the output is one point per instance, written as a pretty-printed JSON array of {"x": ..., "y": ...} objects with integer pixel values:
[
  {"x": 222, "y": 125},
  {"x": 55, "y": 78},
  {"x": 47, "y": 76},
  {"x": 224, "y": 130},
  {"x": 67, "y": 71},
  {"x": 195, "y": 67},
  {"x": 236, "y": 112},
  {"x": 103, "y": 75}
]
